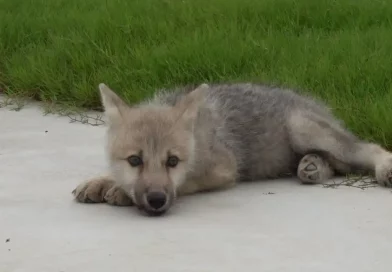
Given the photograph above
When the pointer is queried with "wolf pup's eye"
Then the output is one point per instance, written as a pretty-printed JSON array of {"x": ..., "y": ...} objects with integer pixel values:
[
  {"x": 172, "y": 161},
  {"x": 135, "y": 160}
]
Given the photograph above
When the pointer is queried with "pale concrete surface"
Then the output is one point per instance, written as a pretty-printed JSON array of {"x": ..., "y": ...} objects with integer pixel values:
[{"x": 298, "y": 228}]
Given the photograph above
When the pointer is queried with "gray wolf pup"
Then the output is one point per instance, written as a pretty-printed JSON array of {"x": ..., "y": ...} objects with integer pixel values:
[{"x": 209, "y": 137}]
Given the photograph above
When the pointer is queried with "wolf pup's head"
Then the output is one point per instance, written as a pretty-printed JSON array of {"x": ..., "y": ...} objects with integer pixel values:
[{"x": 151, "y": 147}]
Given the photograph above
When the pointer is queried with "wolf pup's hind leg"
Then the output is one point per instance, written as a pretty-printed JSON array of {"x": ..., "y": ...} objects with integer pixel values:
[
  {"x": 311, "y": 132},
  {"x": 313, "y": 168}
]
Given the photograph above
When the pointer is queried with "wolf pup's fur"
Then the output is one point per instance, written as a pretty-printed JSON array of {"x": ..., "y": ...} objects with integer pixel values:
[{"x": 212, "y": 136}]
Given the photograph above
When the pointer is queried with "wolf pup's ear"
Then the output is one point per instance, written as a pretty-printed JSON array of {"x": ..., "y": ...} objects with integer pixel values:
[
  {"x": 189, "y": 106},
  {"x": 114, "y": 106}
]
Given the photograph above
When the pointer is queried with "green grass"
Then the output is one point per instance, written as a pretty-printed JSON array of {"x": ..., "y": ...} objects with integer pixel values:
[{"x": 339, "y": 50}]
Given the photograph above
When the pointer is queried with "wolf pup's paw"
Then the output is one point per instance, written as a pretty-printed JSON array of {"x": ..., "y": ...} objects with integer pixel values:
[
  {"x": 384, "y": 172},
  {"x": 314, "y": 169},
  {"x": 94, "y": 190},
  {"x": 116, "y": 196}
]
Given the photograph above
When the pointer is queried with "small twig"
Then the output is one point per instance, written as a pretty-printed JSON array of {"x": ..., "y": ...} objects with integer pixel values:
[
  {"x": 75, "y": 115},
  {"x": 360, "y": 182},
  {"x": 8, "y": 101},
  {"x": 86, "y": 119},
  {"x": 5, "y": 103}
]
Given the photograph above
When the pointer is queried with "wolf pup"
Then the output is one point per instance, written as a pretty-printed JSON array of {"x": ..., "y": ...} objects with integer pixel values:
[{"x": 210, "y": 137}]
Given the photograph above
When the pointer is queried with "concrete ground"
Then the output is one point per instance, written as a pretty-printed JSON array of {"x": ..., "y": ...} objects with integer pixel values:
[{"x": 266, "y": 226}]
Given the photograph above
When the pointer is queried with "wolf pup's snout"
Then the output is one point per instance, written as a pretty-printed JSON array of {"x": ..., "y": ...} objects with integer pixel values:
[
  {"x": 156, "y": 200},
  {"x": 154, "y": 196}
]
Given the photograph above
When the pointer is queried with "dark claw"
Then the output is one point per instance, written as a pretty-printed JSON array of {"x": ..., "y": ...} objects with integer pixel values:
[
  {"x": 88, "y": 200},
  {"x": 79, "y": 196}
]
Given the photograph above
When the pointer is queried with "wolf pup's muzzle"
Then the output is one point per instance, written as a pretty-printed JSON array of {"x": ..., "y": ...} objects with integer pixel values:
[{"x": 154, "y": 202}]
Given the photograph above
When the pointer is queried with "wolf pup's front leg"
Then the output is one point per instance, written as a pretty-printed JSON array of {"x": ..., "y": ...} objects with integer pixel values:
[{"x": 101, "y": 189}]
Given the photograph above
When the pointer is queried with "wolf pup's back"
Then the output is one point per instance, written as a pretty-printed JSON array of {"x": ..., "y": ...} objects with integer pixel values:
[{"x": 251, "y": 121}]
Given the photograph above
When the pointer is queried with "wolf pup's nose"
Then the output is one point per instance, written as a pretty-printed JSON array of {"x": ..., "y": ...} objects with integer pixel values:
[{"x": 156, "y": 200}]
